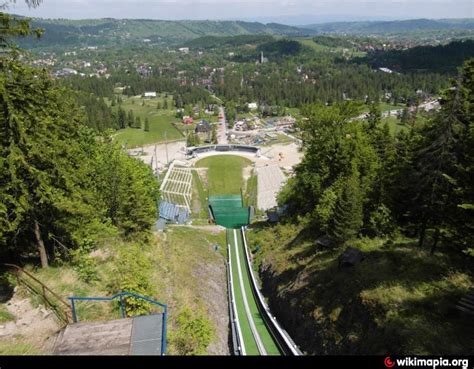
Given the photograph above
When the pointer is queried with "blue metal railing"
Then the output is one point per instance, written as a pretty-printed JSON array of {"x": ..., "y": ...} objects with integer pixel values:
[{"x": 120, "y": 296}]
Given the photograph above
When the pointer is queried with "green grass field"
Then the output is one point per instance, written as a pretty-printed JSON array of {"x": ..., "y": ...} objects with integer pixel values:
[
  {"x": 384, "y": 106},
  {"x": 161, "y": 120},
  {"x": 309, "y": 42},
  {"x": 394, "y": 125},
  {"x": 224, "y": 173}
]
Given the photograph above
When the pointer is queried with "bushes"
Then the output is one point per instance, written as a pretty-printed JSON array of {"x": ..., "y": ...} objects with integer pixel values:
[
  {"x": 84, "y": 264},
  {"x": 193, "y": 334},
  {"x": 132, "y": 274}
]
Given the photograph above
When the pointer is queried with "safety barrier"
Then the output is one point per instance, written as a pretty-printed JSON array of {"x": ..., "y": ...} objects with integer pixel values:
[
  {"x": 121, "y": 296},
  {"x": 55, "y": 302}
]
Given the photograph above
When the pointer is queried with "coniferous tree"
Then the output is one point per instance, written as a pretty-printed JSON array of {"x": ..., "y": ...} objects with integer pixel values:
[
  {"x": 348, "y": 215},
  {"x": 131, "y": 119},
  {"x": 122, "y": 118},
  {"x": 147, "y": 125},
  {"x": 375, "y": 116},
  {"x": 138, "y": 123}
]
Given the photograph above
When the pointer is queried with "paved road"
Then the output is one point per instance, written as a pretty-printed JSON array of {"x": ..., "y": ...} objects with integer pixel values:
[{"x": 222, "y": 129}]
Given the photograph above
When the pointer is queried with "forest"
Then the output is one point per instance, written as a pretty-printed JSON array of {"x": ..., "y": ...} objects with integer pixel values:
[
  {"x": 362, "y": 180},
  {"x": 59, "y": 179},
  {"x": 404, "y": 204}
]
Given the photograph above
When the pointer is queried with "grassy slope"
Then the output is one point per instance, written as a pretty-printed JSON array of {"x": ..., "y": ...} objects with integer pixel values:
[
  {"x": 399, "y": 300},
  {"x": 160, "y": 123},
  {"x": 186, "y": 272},
  {"x": 250, "y": 196},
  {"x": 199, "y": 197},
  {"x": 224, "y": 173},
  {"x": 18, "y": 346},
  {"x": 189, "y": 273}
]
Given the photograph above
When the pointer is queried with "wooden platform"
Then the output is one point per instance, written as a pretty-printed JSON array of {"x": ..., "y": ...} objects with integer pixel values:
[{"x": 131, "y": 336}]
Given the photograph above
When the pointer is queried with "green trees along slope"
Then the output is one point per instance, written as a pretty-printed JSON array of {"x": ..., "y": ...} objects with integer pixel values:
[
  {"x": 58, "y": 179},
  {"x": 356, "y": 178}
]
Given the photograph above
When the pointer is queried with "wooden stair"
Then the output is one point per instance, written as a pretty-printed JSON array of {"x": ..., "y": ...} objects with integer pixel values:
[{"x": 141, "y": 335}]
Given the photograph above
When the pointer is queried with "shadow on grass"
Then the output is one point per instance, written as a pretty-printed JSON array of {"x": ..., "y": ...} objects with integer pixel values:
[{"x": 399, "y": 300}]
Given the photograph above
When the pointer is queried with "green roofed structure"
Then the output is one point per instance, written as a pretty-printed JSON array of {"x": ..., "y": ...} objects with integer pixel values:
[{"x": 228, "y": 211}]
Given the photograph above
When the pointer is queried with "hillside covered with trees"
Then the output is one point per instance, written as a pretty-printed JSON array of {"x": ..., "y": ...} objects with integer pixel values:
[
  {"x": 406, "y": 203},
  {"x": 60, "y": 180},
  {"x": 102, "y": 32}
]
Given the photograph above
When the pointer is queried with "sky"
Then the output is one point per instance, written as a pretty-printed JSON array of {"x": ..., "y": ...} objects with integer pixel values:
[{"x": 283, "y": 11}]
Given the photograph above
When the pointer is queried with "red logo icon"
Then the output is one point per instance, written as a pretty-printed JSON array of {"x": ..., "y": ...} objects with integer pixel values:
[{"x": 388, "y": 362}]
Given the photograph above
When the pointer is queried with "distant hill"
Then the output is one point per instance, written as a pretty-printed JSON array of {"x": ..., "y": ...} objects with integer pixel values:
[
  {"x": 61, "y": 32},
  {"x": 215, "y": 42},
  {"x": 393, "y": 27},
  {"x": 440, "y": 59}
]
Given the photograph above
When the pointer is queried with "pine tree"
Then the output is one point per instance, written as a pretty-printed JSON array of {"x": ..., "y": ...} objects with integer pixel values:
[
  {"x": 375, "y": 116},
  {"x": 122, "y": 118},
  {"x": 147, "y": 125},
  {"x": 348, "y": 215},
  {"x": 131, "y": 119},
  {"x": 436, "y": 165},
  {"x": 14, "y": 27},
  {"x": 138, "y": 123}
]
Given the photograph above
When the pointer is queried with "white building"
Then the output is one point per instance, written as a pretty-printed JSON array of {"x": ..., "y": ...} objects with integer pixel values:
[
  {"x": 252, "y": 106},
  {"x": 150, "y": 94},
  {"x": 184, "y": 49},
  {"x": 386, "y": 70}
]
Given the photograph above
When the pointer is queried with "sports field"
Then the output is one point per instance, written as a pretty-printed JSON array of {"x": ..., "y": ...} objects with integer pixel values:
[{"x": 225, "y": 173}]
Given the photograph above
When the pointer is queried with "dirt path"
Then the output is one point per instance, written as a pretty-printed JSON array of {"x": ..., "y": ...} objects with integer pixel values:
[
  {"x": 215, "y": 229},
  {"x": 36, "y": 325}
]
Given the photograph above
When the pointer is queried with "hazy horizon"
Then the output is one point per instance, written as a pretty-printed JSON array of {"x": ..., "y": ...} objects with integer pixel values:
[{"x": 293, "y": 12}]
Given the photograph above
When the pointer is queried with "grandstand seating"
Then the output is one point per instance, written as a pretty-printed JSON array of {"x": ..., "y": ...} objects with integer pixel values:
[{"x": 173, "y": 213}]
